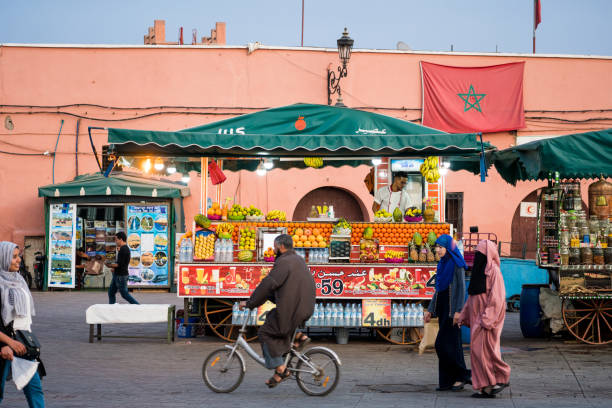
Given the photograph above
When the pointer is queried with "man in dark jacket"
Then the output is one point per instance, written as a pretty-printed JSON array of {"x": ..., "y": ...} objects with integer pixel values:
[{"x": 291, "y": 287}]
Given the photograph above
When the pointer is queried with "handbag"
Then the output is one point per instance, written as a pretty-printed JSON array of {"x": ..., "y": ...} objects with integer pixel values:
[
  {"x": 430, "y": 332},
  {"x": 31, "y": 343}
]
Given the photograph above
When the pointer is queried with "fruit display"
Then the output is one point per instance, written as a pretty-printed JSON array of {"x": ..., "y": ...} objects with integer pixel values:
[
  {"x": 342, "y": 227},
  {"x": 204, "y": 248},
  {"x": 253, "y": 213},
  {"x": 269, "y": 255},
  {"x": 397, "y": 233},
  {"x": 236, "y": 213},
  {"x": 202, "y": 221},
  {"x": 308, "y": 238},
  {"x": 413, "y": 254},
  {"x": 276, "y": 215},
  {"x": 431, "y": 238},
  {"x": 339, "y": 249},
  {"x": 245, "y": 256},
  {"x": 247, "y": 239},
  {"x": 214, "y": 212},
  {"x": 368, "y": 233},
  {"x": 314, "y": 162},
  {"x": 397, "y": 215},
  {"x": 368, "y": 250},
  {"x": 225, "y": 230},
  {"x": 393, "y": 256},
  {"x": 383, "y": 216},
  {"x": 429, "y": 169},
  {"x": 413, "y": 214}
]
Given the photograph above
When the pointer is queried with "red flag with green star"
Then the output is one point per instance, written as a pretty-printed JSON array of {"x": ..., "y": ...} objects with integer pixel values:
[{"x": 473, "y": 99}]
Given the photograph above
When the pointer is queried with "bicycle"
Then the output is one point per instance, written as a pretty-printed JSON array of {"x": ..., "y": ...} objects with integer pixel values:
[
  {"x": 316, "y": 371},
  {"x": 23, "y": 270}
]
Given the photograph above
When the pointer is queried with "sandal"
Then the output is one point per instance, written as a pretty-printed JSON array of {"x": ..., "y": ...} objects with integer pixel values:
[
  {"x": 482, "y": 394},
  {"x": 273, "y": 382},
  {"x": 499, "y": 388},
  {"x": 299, "y": 345}
]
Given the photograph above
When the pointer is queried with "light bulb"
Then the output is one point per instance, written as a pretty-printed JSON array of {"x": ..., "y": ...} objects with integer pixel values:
[
  {"x": 185, "y": 179},
  {"x": 443, "y": 171},
  {"x": 376, "y": 161},
  {"x": 446, "y": 165},
  {"x": 268, "y": 164},
  {"x": 146, "y": 165},
  {"x": 171, "y": 168},
  {"x": 261, "y": 170},
  {"x": 159, "y": 164}
]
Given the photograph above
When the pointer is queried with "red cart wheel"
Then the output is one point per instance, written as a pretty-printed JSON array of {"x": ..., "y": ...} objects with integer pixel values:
[
  {"x": 218, "y": 314},
  {"x": 589, "y": 320}
]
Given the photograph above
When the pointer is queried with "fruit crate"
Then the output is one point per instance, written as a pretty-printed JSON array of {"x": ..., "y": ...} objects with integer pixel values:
[
  {"x": 339, "y": 248},
  {"x": 203, "y": 234}
]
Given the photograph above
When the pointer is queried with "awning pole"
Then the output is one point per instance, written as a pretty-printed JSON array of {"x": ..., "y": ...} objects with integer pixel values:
[
  {"x": 219, "y": 186},
  {"x": 203, "y": 184}
]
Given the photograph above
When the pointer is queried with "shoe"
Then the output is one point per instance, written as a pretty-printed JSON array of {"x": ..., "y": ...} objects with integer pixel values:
[
  {"x": 444, "y": 388},
  {"x": 482, "y": 394},
  {"x": 499, "y": 388},
  {"x": 459, "y": 387}
]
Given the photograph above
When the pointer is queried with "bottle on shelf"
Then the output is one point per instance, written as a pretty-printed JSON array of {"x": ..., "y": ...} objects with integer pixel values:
[
  {"x": 235, "y": 310},
  {"x": 394, "y": 315},
  {"x": 359, "y": 315},
  {"x": 254, "y": 317},
  {"x": 347, "y": 315}
]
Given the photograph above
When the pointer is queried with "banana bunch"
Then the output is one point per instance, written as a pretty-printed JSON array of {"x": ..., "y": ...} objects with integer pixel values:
[
  {"x": 314, "y": 162},
  {"x": 395, "y": 254},
  {"x": 225, "y": 227},
  {"x": 276, "y": 215},
  {"x": 429, "y": 169}
]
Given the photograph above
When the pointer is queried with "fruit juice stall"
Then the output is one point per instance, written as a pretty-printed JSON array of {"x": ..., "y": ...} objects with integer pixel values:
[
  {"x": 367, "y": 274},
  {"x": 574, "y": 239}
]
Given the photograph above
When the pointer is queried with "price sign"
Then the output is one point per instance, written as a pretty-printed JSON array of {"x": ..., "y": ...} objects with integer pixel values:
[
  {"x": 376, "y": 312},
  {"x": 262, "y": 312}
]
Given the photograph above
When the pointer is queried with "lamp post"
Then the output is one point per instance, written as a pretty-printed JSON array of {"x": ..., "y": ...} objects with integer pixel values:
[{"x": 345, "y": 45}]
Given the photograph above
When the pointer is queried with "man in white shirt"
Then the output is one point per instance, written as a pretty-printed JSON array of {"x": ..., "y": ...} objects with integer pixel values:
[{"x": 391, "y": 197}]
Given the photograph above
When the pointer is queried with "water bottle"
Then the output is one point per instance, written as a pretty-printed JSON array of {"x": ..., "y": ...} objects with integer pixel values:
[
  {"x": 347, "y": 316},
  {"x": 235, "y": 310},
  {"x": 412, "y": 315},
  {"x": 328, "y": 312},
  {"x": 340, "y": 322},
  {"x": 359, "y": 315},
  {"x": 406, "y": 316},
  {"x": 394, "y": 315},
  {"x": 217, "y": 251},
  {"x": 334, "y": 321},
  {"x": 420, "y": 315},
  {"x": 254, "y": 317},
  {"x": 354, "y": 321}
]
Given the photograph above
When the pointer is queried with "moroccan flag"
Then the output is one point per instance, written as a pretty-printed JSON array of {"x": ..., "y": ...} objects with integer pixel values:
[
  {"x": 473, "y": 99},
  {"x": 537, "y": 14}
]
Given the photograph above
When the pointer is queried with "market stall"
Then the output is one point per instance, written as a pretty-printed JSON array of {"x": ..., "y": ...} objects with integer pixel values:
[
  {"x": 83, "y": 215},
  {"x": 371, "y": 275},
  {"x": 574, "y": 241}
]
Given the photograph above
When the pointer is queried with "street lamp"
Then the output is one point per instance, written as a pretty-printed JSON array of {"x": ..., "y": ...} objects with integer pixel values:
[{"x": 345, "y": 45}]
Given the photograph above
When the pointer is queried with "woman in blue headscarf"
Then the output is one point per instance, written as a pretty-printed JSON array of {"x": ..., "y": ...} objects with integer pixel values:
[{"x": 447, "y": 303}]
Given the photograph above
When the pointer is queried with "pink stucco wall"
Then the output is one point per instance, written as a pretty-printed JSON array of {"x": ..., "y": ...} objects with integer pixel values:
[{"x": 205, "y": 84}]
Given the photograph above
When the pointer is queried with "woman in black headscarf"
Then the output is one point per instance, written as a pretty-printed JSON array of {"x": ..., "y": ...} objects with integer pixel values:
[{"x": 446, "y": 303}]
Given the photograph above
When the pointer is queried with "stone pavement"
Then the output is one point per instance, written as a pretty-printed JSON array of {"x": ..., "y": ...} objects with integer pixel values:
[{"x": 150, "y": 373}]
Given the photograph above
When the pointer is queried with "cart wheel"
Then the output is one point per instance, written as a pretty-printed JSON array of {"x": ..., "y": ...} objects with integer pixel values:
[
  {"x": 406, "y": 335},
  {"x": 218, "y": 314},
  {"x": 589, "y": 320}
]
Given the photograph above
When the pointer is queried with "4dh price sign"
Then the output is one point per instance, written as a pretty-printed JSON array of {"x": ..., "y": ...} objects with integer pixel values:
[{"x": 376, "y": 312}]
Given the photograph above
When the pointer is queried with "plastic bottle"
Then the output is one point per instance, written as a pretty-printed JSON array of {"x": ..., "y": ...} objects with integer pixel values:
[
  {"x": 317, "y": 314},
  {"x": 394, "y": 315},
  {"x": 254, "y": 317},
  {"x": 340, "y": 322},
  {"x": 359, "y": 315},
  {"x": 406, "y": 316},
  {"x": 420, "y": 315},
  {"x": 347, "y": 315},
  {"x": 235, "y": 310},
  {"x": 328, "y": 314}
]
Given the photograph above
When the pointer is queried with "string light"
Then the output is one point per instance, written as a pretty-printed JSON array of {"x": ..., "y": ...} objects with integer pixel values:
[
  {"x": 171, "y": 169},
  {"x": 159, "y": 164},
  {"x": 376, "y": 161},
  {"x": 261, "y": 170},
  {"x": 268, "y": 164},
  {"x": 146, "y": 165}
]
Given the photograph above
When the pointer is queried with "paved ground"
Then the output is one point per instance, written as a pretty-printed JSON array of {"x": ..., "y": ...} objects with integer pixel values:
[{"x": 150, "y": 373}]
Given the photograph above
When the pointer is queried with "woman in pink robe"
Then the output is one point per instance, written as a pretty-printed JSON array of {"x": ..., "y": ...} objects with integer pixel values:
[{"x": 484, "y": 313}]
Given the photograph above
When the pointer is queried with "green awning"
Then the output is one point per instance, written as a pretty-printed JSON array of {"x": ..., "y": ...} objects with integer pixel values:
[
  {"x": 117, "y": 184},
  {"x": 580, "y": 155},
  {"x": 299, "y": 130}
]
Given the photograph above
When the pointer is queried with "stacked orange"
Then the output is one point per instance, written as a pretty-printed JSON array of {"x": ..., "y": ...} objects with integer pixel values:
[
  {"x": 215, "y": 209},
  {"x": 308, "y": 238},
  {"x": 396, "y": 233}
]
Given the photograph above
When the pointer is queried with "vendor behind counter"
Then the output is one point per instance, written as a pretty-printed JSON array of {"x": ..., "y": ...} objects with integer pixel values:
[{"x": 399, "y": 194}]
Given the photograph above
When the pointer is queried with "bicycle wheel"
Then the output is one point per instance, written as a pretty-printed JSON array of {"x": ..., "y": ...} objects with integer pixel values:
[
  {"x": 222, "y": 374},
  {"x": 320, "y": 375}
]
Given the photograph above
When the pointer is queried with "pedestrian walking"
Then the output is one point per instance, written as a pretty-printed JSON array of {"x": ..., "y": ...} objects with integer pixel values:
[
  {"x": 120, "y": 271},
  {"x": 446, "y": 304},
  {"x": 17, "y": 309},
  {"x": 484, "y": 312}
]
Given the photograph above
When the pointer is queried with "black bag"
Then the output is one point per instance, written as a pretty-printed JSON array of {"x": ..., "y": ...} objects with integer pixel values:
[{"x": 31, "y": 343}]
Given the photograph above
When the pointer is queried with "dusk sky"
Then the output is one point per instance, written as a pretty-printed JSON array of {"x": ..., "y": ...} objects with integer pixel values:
[{"x": 568, "y": 26}]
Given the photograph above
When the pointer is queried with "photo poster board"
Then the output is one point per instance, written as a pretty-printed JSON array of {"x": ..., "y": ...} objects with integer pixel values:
[
  {"x": 62, "y": 245},
  {"x": 148, "y": 240}
]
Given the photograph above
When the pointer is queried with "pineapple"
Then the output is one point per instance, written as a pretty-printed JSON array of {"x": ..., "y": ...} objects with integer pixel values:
[
  {"x": 423, "y": 254},
  {"x": 414, "y": 254},
  {"x": 430, "y": 255}
]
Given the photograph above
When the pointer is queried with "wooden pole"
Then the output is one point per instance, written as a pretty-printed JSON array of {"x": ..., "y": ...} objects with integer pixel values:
[{"x": 203, "y": 184}]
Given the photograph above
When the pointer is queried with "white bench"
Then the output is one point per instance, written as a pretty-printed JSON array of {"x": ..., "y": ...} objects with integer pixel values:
[{"x": 125, "y": 313}]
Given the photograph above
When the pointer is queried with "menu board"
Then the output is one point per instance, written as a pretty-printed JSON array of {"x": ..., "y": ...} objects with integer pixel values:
[
  {"x": 354, "y": 281},
  {"x": 62, "y": 245},
  {"x": 147, "y": 238}
]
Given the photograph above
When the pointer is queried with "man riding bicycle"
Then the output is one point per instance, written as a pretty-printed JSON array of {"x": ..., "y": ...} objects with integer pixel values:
[{"x": 291, "y": 287}]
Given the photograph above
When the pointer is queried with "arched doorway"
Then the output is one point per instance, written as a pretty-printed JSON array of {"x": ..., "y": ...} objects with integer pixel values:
[{"x": 346, "y": 205}]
